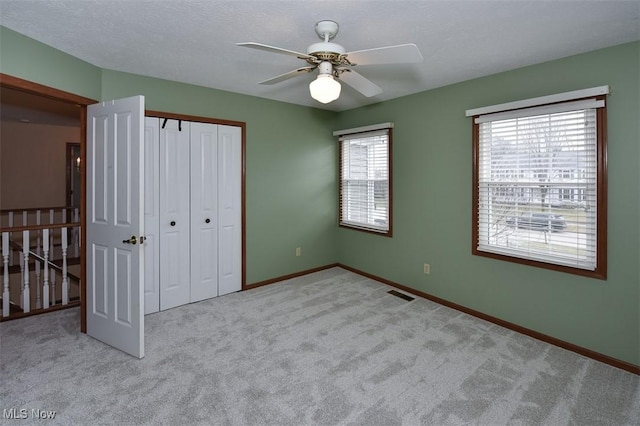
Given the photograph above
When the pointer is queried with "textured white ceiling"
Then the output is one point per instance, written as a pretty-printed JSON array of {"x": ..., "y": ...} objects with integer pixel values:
[{"x": 194, "y": 41}]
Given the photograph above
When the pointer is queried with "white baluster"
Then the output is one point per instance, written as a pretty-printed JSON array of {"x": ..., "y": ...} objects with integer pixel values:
[
  {"x": 65, "y": 278},
  {"x": 64, "y": 215},
  {"x": 5, "y": 262},
  {"x": 45, "y": 285},
  {"x": 24, "y": 218},
  {"x": 26, "y": 304}
]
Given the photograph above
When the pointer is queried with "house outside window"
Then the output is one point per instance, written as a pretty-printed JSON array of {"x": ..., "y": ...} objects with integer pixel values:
[
  {"x": 365, "y": 178},
  {"x": 540, "y": 185}
]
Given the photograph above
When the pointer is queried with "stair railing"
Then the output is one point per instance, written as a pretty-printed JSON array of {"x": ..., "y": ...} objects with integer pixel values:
[{"x": 43, "y": 263}]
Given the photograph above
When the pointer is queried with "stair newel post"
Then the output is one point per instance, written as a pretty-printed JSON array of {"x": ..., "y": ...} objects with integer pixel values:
[
  {"x": 65, "y": 278},
  {"x": 45, "y": 285},
  {"x": 5, "y": 262},
  {"x": 26, "y": 291}
]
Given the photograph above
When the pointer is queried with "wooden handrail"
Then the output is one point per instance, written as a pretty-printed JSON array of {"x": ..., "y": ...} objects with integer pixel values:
[
  {"x": 39, "y": 227},
  {"x": 35, "y": 209}
]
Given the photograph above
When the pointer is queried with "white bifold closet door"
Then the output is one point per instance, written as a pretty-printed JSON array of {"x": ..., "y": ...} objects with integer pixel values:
[
  {"x": 204, "y": 211},
  {"x": 198, "y": 213},
  {"x": 174, "y": 215}
]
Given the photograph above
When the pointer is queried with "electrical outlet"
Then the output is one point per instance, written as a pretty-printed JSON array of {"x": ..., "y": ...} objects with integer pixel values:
[
  {"x": 298, "y": 251},
  {"x": 427, "y": 268}
]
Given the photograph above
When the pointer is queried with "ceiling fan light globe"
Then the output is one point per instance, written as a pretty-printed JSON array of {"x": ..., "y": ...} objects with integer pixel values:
[{"x": 325, "y": 89}]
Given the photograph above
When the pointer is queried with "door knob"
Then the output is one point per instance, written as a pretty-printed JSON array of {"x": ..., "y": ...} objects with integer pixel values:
[
  {"x": 173, "y": 223},
  {"x": 132, "y": 240},
  {"x": 207, "y": 220}
]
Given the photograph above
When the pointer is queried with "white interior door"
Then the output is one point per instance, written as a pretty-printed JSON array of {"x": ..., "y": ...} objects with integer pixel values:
[
  {"x": 229, "y": 209},
  {"x": 204, "y": 211},
  {"x": 115, "y": 222},
  {"x": 174, "y": 215}
]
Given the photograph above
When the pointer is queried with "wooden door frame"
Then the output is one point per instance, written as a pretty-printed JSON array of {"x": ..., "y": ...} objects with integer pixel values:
[
  {"x": 26, "y": 86},
  {"x": 32, "y": 88},
  {"x": 243, "y": 183}
]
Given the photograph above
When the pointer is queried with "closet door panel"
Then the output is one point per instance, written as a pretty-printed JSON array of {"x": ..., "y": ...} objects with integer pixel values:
[
  {"x": 151, "y": 215},
  {"x": 174, "y": 215},
  {"x": 204, "y": 211},
  {"x": 203, "y": 268},
  {"x": 229, "y": 209}
]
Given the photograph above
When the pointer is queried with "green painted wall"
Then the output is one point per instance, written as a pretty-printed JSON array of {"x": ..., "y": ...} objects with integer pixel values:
[
  {"x": 290, "y": 169},
  {"x": 291, "y": 187},
  {"x": 23, "y": 57},
  {"x": 290, "y": 158},
  {"x": 432, "y": 206}
]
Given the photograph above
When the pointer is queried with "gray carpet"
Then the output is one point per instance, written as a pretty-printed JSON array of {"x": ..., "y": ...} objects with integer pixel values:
[{"x": 328, "y": 348}]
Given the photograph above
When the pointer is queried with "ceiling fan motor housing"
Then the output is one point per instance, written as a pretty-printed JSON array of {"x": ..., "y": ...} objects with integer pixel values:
[{"x": 325, "y": 51}]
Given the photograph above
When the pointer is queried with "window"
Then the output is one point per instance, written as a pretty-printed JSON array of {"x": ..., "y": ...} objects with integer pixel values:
[
  {"x": 365, "y": 178},
  {"x": 540, "y": 185}
]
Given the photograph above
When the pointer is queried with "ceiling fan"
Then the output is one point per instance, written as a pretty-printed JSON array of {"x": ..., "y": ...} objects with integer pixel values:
[{"x": 334, "y": 62}]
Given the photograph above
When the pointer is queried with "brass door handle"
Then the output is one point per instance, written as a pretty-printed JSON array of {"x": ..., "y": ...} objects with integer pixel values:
[{"x": 132, "y": 240}]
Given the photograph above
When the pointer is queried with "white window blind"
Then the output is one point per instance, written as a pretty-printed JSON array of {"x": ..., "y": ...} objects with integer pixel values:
[
  {"x": 364, "y": 180},
  {"x": 537, "y": 177}
]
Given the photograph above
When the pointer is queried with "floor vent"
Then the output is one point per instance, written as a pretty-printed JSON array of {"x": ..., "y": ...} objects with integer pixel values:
[{"x": 401, "y": 295}]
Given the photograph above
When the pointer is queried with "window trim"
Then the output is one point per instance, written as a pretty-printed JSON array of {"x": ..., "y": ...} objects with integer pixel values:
[
  {"x": 360, "y": 131},
  {"x": 600, "y": 271}
]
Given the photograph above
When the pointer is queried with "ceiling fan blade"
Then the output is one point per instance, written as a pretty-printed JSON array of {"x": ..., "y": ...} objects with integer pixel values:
[
  {"x": 400, "y": 54},
  {"x": 360, "y": 83},
  {"x": 274, "y": 49},
  {"x": 288, "y": 75}
]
